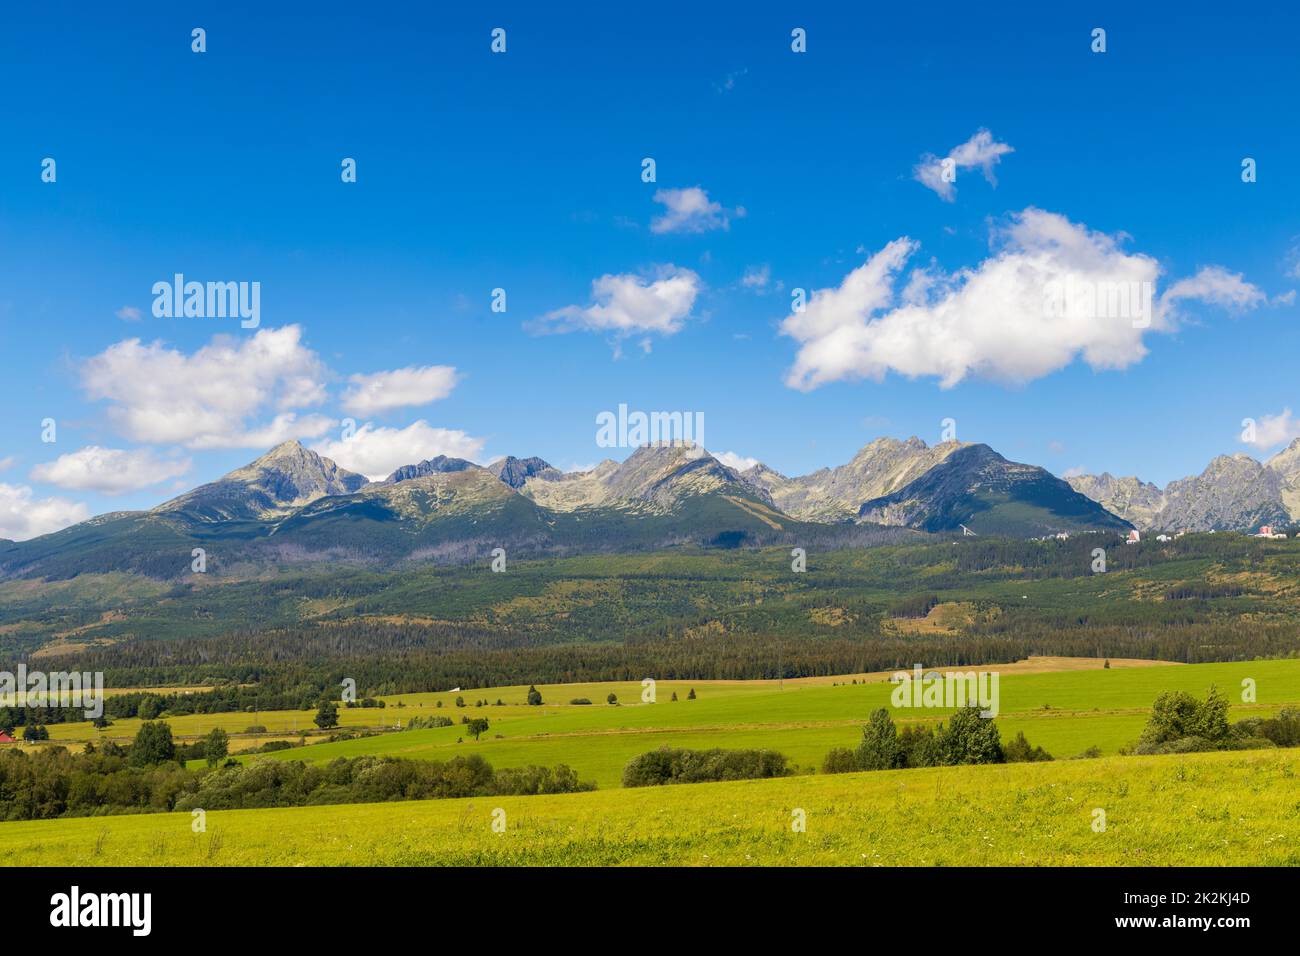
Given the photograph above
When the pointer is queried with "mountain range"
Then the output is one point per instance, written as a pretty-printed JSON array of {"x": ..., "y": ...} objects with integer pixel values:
[
  {"x": 292, "y": 505},
  {"x": 1234, "y": 493}
]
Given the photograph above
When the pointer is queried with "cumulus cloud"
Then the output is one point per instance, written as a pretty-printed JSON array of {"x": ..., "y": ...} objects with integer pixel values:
[
  {"x": 1273, "y": 430},
  {"x": 7, "y": 462},
  {"x": 1051, "y": 292},
  {"x": 738, "y": 462},
  {"x": 691, "y": 210},
  {"x": 981, "y": 151},
  {"x": 628, "y": 304},
  {"x": 129, "y": 313},
  {"x": 215, "y": 397},
  {"x": 24, "y": 516},
  {"x": 381, "y": 391},
  {"x": 110, "y": 471},
  {"x": 378, "y": 452}
]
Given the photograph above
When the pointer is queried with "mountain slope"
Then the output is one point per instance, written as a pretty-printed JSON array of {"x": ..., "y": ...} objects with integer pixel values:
[
  {"x": 1137, "y": 502},
  {"x": 286, "y": 477},
  {"x": 1287, "y": 462},
  {"x": 515, "y": 472},
  {"x": 1233, "y": 493},
  {"x": 655, "y": 479},
  {"x": 430, "y": 466},
  {"x": 977, "y": 487},
  {"x": 837, "y": 494}
]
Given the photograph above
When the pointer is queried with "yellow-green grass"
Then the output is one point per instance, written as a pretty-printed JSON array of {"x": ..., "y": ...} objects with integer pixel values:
[
  {"x": 290, "y": 722},
  {"x": 1066, "y": 711},
  {"x": 1099, "y": 708},
  {"x": 1218, "y": 809}
]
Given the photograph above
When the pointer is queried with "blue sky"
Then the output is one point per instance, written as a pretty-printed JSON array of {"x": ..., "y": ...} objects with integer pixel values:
[{"x": 522, "y": 171}]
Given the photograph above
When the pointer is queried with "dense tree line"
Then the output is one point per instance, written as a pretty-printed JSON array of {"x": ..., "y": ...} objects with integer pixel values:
[
  {"x": 731, "y": 615},
  {"x": 146, "y": 777},
  {"x": 296, "y": 670}
]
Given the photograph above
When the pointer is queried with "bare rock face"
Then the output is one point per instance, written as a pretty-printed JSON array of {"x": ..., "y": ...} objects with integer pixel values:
[
  {"x": 515, "y": 472},
  {"x": 437, "y": 494},
  {"x": 1137, "y": 502},
  {"x": 976, "y": 488},
  {"x": 286, "y": 477},
  {"x": 1234, "y": 493},
  {"x": 654, "y": 478},
  {"x": 837, "y": 494},
  {"x": 1287, "y": 461},
  {"x": 430, "y": 466}
]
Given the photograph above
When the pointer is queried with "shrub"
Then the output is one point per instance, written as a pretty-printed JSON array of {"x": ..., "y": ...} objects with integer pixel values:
[
  {"x": 969, "y": 738},
  {"x": 1020, "y": 751},
  {"x": 668, "y": 765},
  {"x": 919, "y": 747},
  {"x": 1177, "y": 716},
  {"x": 421, "y": 722},
  {"x": 840, "y": 760}
]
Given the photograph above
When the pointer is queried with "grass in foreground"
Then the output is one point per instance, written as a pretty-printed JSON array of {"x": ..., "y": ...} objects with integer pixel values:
[{"x": 1215, "y": 809}]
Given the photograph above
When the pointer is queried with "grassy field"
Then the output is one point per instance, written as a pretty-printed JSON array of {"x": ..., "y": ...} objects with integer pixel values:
[
  {"x": 1066, "y": 711},
  {"x": 1219, "y": 809},
  {"x": 1066, "y": 705}
]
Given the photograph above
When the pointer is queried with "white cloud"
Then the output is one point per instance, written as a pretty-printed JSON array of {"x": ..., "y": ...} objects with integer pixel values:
[
  {"x": 691, "y": 210},
  {"x": 1291, "y": 262},
  {"x": 129, "y": 313},
  {"x": 7, "y": 462},
  {"x": 1272, "y": 430},
  {"x": 210, "y": 399},
  {"x": 381, "y": 391},
  {"x": 1217, "y": 286},
  {"x": 111, "y": 471},
  {"x": 378, "y": 452},
  {"x": 628, "y": 304},
  {"x": 981, "y": 150},
  {"x": 23, "y": 517},
  {"x": 1046, "y": 297},
  {"x": 738, "y": 462},
  {"x": 757, "y": 277},
  {"x": 1078, "y": 471}
]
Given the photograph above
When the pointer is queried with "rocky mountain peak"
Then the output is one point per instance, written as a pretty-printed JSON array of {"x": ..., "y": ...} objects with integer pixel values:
[
  {"x": 441, "y": 464},
  {"x": 286, "y": 477}
]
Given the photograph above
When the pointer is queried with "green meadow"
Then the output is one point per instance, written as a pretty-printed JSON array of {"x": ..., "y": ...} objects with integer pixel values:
[
  {"x": 1065, "y": 711},
  {"x": 1216, "y": 809}
]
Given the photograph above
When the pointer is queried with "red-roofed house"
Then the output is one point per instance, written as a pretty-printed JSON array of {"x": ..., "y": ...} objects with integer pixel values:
[{"x": 5, "y": 738}]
